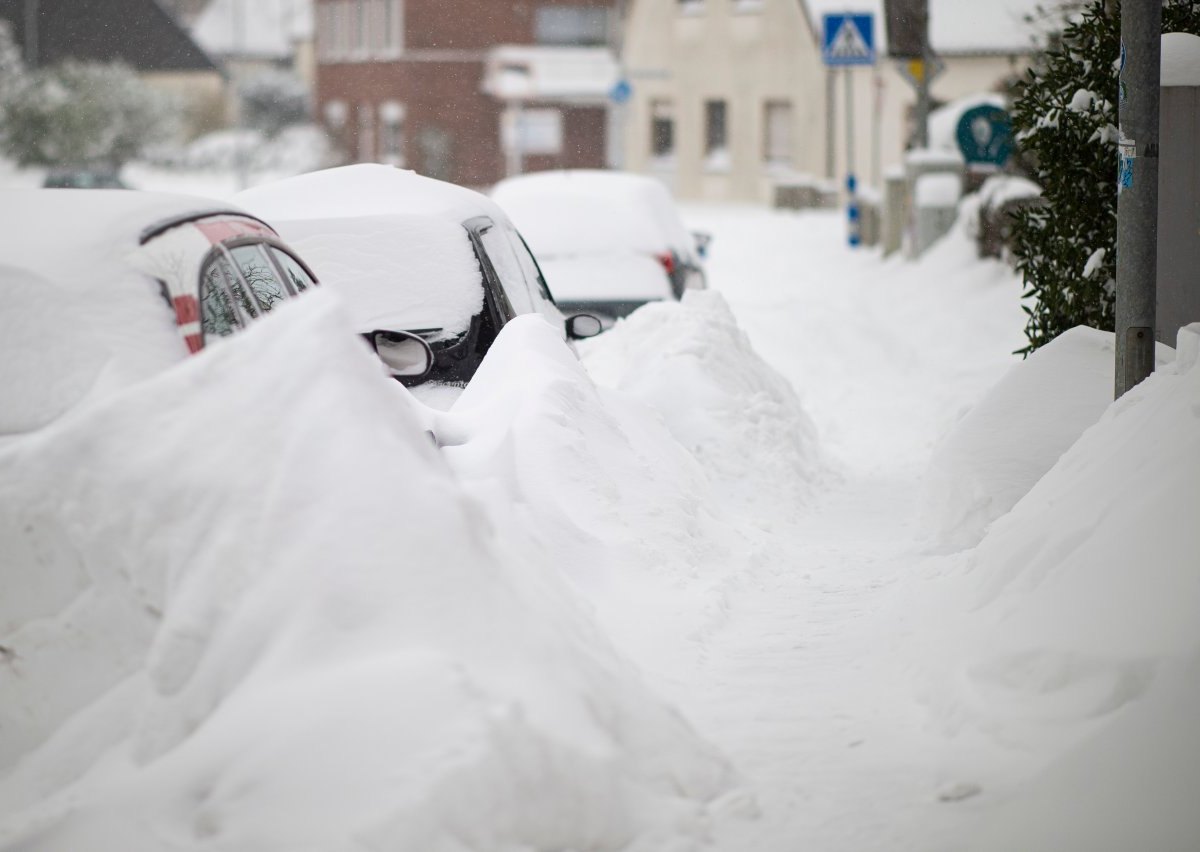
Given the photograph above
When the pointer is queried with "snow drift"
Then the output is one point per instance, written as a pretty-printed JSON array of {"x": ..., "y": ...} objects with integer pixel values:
[
  {"x": 992, "y": 457},
  {"x": 1077, "y": 639},
  {"x": 693, "y": 365},
  {"x": 267, "y": 617}
]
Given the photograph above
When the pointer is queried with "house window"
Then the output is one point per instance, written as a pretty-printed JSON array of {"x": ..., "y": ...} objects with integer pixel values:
[
  {"x": 357, "y": 13},
  {"x": 341, "y": 34},
  {"x": 662, "y": 128},
  {"x": 777, "y": 132},
  {"x": 716, "y": 140},
  {"x": 392, "y": 26},
  {"x": 691, "y": 7},
  {"x": 391, "y": 133},
  {"x": 571, "y": 25},
  {"x": 366, "y": 133},
  {"x": 539, "y": 131}
]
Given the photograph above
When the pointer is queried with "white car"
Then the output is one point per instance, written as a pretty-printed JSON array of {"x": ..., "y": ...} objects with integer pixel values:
[
  {"x": 407, "y": 251},
  {"x": 608, "y": 241},
  {"x": 102, "y": 288}
]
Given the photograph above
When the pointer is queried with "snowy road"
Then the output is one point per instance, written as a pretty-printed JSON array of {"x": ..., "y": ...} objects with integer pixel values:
[{"x": 799, "y": 685}]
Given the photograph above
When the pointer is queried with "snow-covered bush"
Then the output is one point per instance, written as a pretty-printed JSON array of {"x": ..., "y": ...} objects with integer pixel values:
[
  {"x": 1066, "y": 122},
  {"x": 273, "y": 100},
  {"x": 81, "y": 112}
]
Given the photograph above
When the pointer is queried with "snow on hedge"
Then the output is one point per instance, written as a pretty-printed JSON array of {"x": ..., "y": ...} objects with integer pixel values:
[
  {"x": 267, "y": 617},
  {"x": 992, "y": 457}
]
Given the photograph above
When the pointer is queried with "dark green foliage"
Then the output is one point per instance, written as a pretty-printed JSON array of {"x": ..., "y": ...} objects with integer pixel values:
[{"x": 1066, "y": 121}]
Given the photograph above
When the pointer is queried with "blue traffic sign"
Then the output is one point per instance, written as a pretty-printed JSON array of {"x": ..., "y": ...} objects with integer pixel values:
[
  {"x": 620, "y": 92},
  {"x": 848, "y": 40}
]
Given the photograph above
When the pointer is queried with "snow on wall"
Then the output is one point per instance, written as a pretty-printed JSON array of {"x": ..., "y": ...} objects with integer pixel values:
[{"x": 209, "y": 662}]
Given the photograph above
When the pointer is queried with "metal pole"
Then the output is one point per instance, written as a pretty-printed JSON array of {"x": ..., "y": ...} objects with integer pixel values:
[
  {"x": 1137, "y": 192},
  {"x": 877, "y": 130},
  {"x": 923, "y": 82},
  {"x": 830, "y": 127},
  {"x": 31, "y": 33},
  {"x": 241, "y": 155},
  {"x": 851, "y": 182}
]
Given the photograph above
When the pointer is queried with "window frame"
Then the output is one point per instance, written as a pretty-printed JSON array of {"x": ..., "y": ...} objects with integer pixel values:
[
  {"x": 497, "y": 299},
  {"x": 662, "y": 113},
  {"x": 712, "y": 106},
  {"x": 770, "y": 105},
  {"x": 223, "y": 249}
]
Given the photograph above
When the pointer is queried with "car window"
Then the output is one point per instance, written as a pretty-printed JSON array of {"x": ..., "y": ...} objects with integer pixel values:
[
  {"x": 217, "y": 315},
  {"x": 260, "y": 275},
  {"x": 508, "y": 269},
  {"x": 296, "y": 273},
  {"x": 533, "y": 273}
]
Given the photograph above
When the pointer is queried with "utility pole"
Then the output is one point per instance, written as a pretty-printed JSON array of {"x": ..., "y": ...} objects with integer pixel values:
[
  {"x": 921, "y": 11},
  {"x": 830, "y": 127},
  {"x": 1137, "y": 191},
  {"x": 31, "y": 33}
]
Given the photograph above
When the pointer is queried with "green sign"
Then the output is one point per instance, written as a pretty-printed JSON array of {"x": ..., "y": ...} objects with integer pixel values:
[{"x": 985, "y": 136}]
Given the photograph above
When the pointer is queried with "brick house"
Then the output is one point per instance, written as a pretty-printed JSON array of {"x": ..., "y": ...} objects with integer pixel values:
[{"x": 468, "y": 90}]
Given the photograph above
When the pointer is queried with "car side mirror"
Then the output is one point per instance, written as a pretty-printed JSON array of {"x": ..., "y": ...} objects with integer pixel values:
[
  {"x": 582, "y": 326},
  {"x": 702, "y": 238},
  {"x": 406, "y": 355}
]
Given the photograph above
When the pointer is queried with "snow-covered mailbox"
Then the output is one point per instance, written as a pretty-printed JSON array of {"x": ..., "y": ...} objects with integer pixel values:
[
  {"x": 934, "y": 181},
  {"x": 1179, "y": 187}
]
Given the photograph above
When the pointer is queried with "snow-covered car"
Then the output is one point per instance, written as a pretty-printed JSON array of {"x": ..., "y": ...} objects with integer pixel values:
[
  {"x": 102, "y": 288},
  {"x": 435, "y": 258},
  {"x": 608, "y": 242}
]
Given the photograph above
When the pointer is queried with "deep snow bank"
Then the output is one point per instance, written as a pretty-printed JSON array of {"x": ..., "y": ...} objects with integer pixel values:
[
  {"x": 691, "y": 363},
  {"x": 267, "y": 617},
  {"x": 591, "y": 480},
  {"x": 1077, "y": 620},
  {"x": 992, "y": 456}
]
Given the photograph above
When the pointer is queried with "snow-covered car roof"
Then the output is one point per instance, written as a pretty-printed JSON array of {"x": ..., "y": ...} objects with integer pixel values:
[
  {"x": 84, "y": 306},
  {"x": 364, "y": 189},
  {"x": 391, "y": 240},
  {"x": 565, "y": 213}
]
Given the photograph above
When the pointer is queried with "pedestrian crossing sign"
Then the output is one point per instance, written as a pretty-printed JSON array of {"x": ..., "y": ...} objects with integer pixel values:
[{"x": 849, "y": 40}]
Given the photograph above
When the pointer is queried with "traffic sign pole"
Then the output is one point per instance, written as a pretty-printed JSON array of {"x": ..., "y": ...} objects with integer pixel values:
[
  {"x": 852, "y": 212},
  {"x": 848, "y": 40}
]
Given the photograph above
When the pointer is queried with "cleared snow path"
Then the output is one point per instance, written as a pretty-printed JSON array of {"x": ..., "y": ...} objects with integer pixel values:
[{"x": 799, "y": 685}]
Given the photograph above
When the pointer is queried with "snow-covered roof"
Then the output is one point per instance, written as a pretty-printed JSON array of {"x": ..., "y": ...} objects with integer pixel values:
[
  {"x": 955, "y": 26},
  {"x": 81, "y": 239},
  {"x": 266, "y": 29},
  {"x": 76, "y": 315},
  {"x": 364, "y": 189},
  {"x": 390, "y": 240},
  {"x": 536, "y": 72},
  {"x": 563, "y": 213}
]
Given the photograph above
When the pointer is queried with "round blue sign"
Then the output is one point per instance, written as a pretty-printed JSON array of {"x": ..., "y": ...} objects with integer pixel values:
[{"x": 985, "y": 136}]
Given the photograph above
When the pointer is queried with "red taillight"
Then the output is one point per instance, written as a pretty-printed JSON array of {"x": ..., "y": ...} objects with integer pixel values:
[{"x": 668, "y": 262}]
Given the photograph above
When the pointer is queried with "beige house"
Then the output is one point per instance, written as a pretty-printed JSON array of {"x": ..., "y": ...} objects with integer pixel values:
[
  {"x": 730, "y": 97},
  {"x": 727, "y": 95}
]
